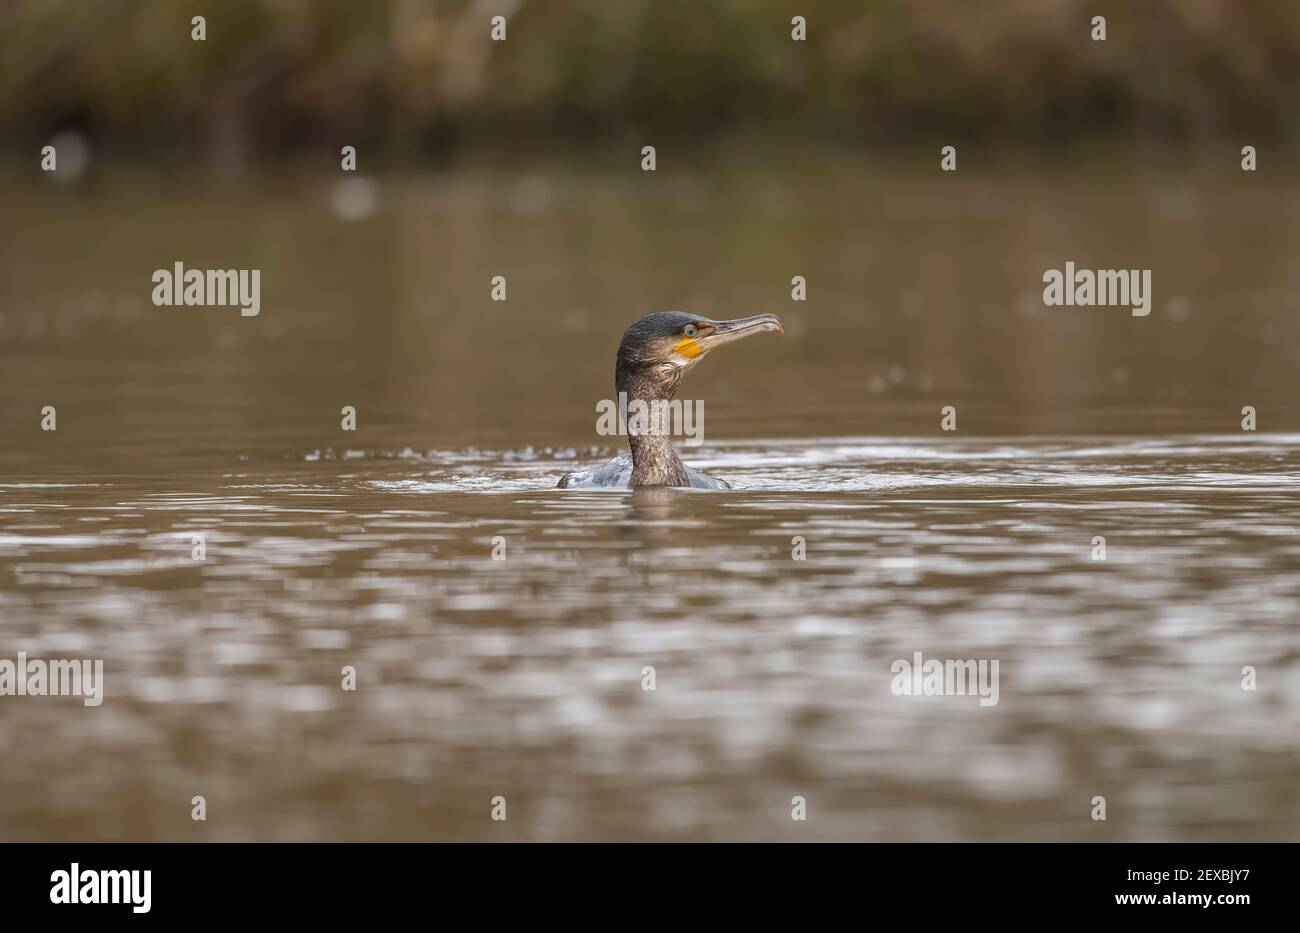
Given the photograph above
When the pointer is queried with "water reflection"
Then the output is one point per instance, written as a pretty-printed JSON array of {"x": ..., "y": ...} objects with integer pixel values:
[{"x": 523, "y": 676}]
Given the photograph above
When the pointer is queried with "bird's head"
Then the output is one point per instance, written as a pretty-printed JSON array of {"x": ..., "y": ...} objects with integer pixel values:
[{"x": 659, "y": 349}]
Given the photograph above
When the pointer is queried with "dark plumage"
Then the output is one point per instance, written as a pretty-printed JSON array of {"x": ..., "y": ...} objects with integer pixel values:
[{"x": 653, "y": 356}]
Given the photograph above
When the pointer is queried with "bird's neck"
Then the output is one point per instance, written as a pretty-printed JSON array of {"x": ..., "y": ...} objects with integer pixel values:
[{"x": 654, "y": 461}]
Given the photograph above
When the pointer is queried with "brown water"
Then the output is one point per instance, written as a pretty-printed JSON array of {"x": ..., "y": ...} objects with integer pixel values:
[{"x": 523, "y": 677}]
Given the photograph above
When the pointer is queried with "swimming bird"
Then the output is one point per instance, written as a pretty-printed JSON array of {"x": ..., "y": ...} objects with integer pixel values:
[{"x": 654, "y": 355}]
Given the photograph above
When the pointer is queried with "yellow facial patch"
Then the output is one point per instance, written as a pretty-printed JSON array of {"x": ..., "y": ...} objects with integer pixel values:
[{"x": 688, "y": 348}]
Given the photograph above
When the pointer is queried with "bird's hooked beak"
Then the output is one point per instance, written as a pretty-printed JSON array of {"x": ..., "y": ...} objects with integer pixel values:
[{"x": 727, "y": 332}]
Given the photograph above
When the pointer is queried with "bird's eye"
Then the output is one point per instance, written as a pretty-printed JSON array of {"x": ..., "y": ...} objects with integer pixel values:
[{"x": 690, "y": 330}]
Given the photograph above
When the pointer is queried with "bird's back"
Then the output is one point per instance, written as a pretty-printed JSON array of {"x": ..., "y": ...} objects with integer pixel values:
[{"x": 617, "y": 474}]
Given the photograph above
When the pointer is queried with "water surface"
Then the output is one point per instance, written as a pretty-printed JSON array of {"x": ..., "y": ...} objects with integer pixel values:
[{"x": 523, "y": 677}]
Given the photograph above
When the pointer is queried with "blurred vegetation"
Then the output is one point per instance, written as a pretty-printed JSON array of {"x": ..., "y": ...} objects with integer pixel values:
[{"x": 276, "y": 75}]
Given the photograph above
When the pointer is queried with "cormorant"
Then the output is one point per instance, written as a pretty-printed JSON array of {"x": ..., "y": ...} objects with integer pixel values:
[{"x": 654, "y": 355}]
